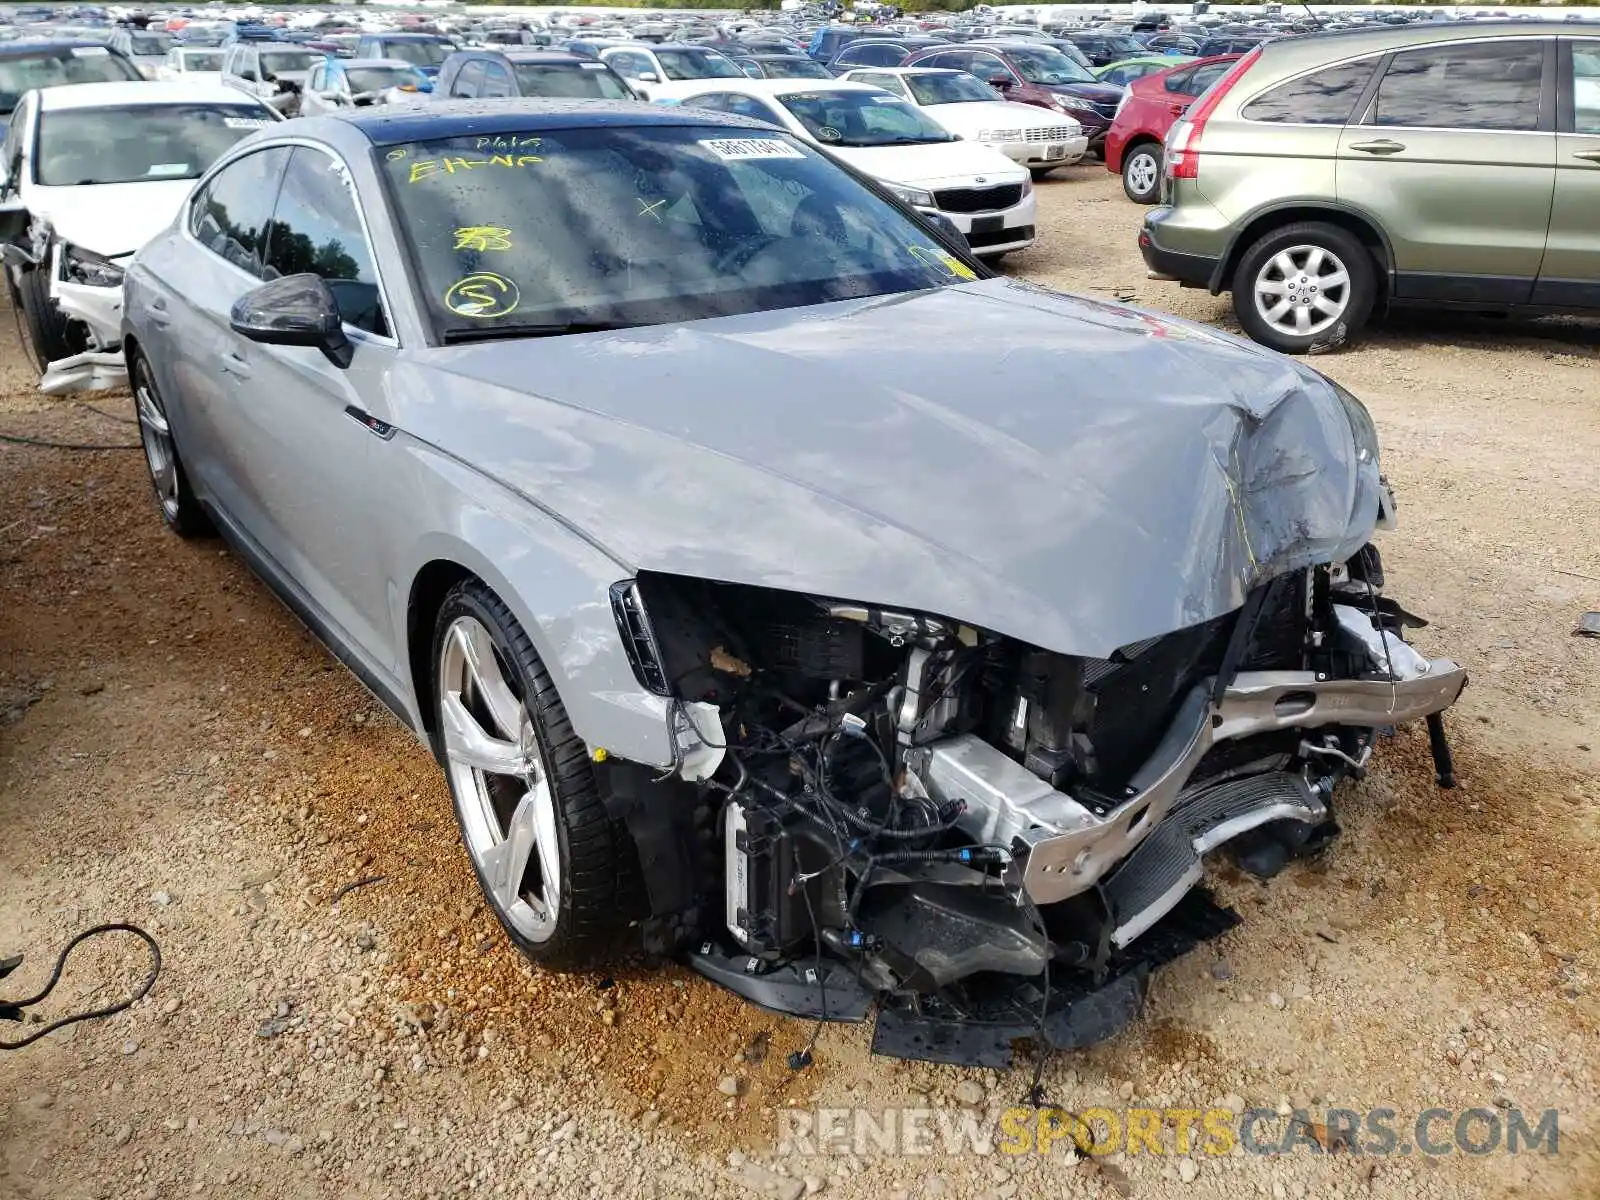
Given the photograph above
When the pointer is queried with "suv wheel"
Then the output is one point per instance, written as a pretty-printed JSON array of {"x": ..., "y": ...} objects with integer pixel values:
[
  {"x": 1305, "y": 288},
  {"x": 1141, "y": 173}
]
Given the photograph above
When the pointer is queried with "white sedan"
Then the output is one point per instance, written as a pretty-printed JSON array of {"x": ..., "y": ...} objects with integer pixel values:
[
  {"x": 191, "y": 64},
  {"x": 985, "y": 195},
  {"x": 89, "y": 173},
  {"x": 970, "y": 108}
]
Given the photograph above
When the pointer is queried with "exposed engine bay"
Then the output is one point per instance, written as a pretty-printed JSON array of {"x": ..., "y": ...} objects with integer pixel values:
[{"x": 989, "y": 841}]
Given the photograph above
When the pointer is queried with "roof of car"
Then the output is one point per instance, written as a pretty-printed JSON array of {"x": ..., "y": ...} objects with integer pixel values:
[
  {"x": 24, "y": 49},
  {"x": 631, "y": 45},
  {"x": 905, "y": 71},
  {"x": 782, "y": 87},
  {"x": 395, "y": 35},
  {"x": 394, "y": 124},
  {"x": 131, "y": 93},
  {"x": 537, "y": 56},
  {"x": 373, "y": 62}
]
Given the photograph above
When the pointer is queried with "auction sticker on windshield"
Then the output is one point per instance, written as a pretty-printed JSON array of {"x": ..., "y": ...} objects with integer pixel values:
[{"x": 738, "y": 148}]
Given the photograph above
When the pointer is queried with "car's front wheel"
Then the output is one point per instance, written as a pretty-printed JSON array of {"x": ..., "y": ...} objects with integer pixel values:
[
  {"x": 45, "y": 332},
  {"x": 1305, "y": 288},
  {"x": 555, "y": 867},
  {"x": 1141, "y": 173}
]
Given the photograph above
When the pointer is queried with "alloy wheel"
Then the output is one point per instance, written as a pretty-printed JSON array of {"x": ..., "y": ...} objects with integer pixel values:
[
  {"x": 155, "y": 434},
  {"x": 501, "y": 781},
  {"x": 1302, "y": 290},
  {"x": 1143, "y": 172}
]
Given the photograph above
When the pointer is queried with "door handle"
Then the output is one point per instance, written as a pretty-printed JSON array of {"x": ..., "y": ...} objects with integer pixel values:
[
  {"x": 1381, "y": 146},
  {"x": 234, "y": 364},
  {"x": 1588, "y": 155}
]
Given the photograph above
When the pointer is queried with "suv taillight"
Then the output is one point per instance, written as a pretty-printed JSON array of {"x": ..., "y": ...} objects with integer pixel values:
[{"x": 1183, "y": 156}]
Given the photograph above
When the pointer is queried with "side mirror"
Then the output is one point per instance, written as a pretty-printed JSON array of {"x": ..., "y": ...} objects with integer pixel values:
[
  {"x": 297, "y": 310},
  {"x": 1000, "y": 82},
  {"x": 942, "y": 224},
  {"x": 13, "y": 220},
  {"x": 250, "y": 75},
  {"x": 648, "y": 77}
]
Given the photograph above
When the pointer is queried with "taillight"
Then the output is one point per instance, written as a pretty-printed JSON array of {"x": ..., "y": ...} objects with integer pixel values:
[{"x": 1183, "y": 156}]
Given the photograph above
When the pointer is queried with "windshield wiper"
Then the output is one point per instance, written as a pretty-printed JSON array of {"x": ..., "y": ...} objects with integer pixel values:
[{"x": 487, "y": 333}]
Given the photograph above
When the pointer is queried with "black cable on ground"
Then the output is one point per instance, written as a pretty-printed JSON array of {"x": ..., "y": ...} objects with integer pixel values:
[
  {"x": 12, "y": 1010},
  {"x": 47, "y": 444},
  {"x": 108, "y": 415}
]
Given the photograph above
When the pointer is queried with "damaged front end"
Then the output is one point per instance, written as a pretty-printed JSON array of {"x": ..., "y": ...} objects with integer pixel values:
[
  {"x": 85, "y": 290},
  {"x": 985, "y": 841}
]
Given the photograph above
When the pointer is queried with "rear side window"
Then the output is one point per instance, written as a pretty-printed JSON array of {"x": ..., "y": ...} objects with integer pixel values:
[
  {"x": 1586, "y": 87},
  {"x": 230, "y": 218},
  {"x": 1325, "y": 97},
  {"x": 496, "y": 82},
  {"x": 469, "y": 80},
  {"x": 1491, "y": 86},
  {"x": 1204, "y": 77}
]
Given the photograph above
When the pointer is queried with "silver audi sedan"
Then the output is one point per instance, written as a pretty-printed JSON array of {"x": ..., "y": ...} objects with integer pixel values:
[{"x": 777, "y": 587}]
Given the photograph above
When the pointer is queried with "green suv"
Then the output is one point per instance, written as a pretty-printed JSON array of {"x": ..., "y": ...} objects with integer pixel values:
[{"x": 1329, "y": 175}]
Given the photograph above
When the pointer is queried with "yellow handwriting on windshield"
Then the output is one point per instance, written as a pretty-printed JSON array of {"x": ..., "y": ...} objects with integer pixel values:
[
  {"x": 483, "y": 237},
  {"x": 428, "y": 166},
  {"x": 482, "y": 295}
]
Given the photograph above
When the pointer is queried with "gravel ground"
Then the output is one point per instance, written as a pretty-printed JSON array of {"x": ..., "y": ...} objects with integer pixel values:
[{"x": 175, "y": 750}]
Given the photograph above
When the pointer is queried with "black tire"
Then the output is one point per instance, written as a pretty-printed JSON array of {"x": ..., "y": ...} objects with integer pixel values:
[
  {"x": 601, "y": 881},
  {"x": 175, "y": 499},
  {"x": 1359, "y": 292},
  {"x": 45, "y": 333},
  {"x": 1040, "y": 173},
  {"x": 1141, "y": 172}
]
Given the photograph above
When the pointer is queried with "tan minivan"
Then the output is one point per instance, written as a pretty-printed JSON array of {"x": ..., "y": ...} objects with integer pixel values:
[{"x": 1329, "y": 175}]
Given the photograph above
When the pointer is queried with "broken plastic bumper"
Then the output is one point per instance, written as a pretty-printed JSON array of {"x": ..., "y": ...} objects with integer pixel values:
[
  {"x": 93, "y": 371},
  {"x": 99, "y": 310}
]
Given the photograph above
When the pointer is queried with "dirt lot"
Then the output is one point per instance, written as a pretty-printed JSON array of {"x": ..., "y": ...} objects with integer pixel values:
[{"x": 175, "y": 750}]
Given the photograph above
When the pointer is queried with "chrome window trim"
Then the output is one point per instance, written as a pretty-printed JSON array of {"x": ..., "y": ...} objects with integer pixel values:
[{"x": 391, "y": 339}]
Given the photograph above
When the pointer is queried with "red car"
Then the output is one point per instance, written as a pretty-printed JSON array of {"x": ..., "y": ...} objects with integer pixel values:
[{"x": 1137, "y": 135}]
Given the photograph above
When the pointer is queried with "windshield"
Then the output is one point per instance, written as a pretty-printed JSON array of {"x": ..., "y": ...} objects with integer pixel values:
[
  {"x": 1122, "y": 46},
  {"x": 697, "y": 64},
  {"x": 955, "y": 88},
  {"x": 150, "y": 43},
  {"x": 419, "y": 53},
  {"x": 80, "y": 64},
  {"x": 863, "y": 119},
  {"x": 79, "y": 146},
  {"x": 193, "y": 36},
  {"x": 580, "y": 81},
  {"x": 201, "y": 60},
  {"x": 795, "y": 68},
  {"x": 281, "y": 62},
  {"x": 376, "y": 79},
  {"x": 1046, "y": 64},
  {"x": 644, "y": 225}
]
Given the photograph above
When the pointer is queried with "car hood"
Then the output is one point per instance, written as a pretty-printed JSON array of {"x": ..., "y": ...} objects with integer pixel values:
[
  {"x": 995, "y": 114},
  {"x": 1100, "y": 93},
  {"x": 110, "y": 218},
  {"x": 1076, "y": 474},
  {"x": 939, "y": 163}
]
